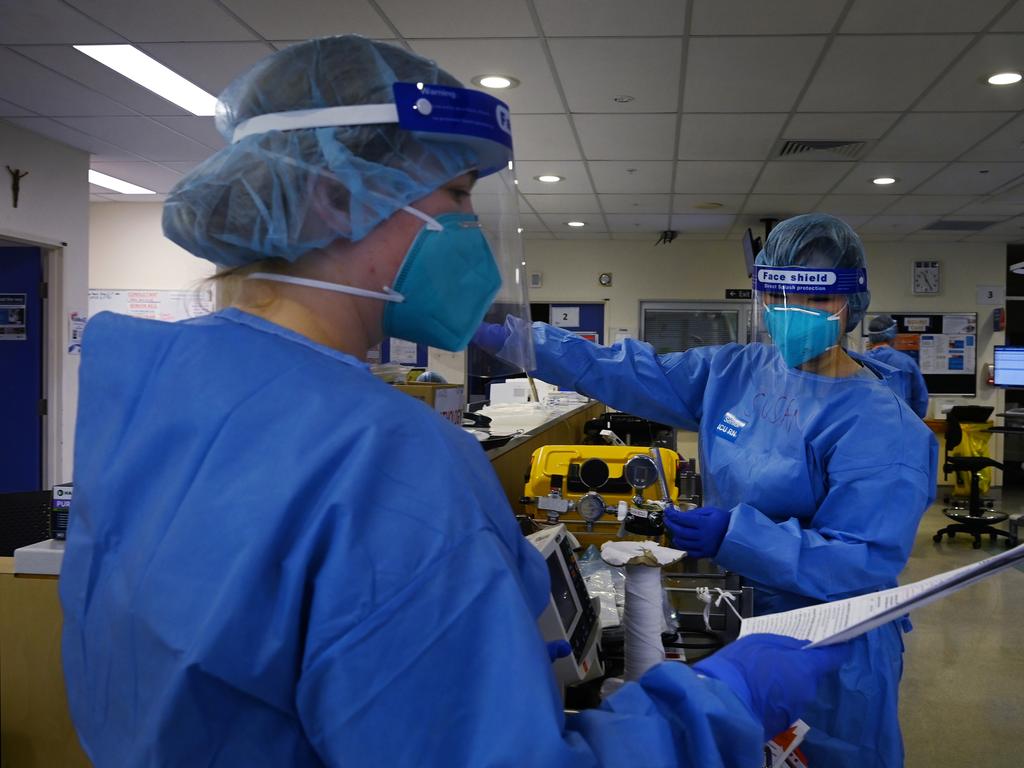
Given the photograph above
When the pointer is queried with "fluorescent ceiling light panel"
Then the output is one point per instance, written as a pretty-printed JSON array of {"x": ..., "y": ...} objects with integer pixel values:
[
  {"x": 129, "y": 61},
  {"x": 102, "y": 180}
]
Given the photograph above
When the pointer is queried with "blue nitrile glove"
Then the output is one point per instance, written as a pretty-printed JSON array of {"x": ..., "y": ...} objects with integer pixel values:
[
  {"x": 699, "y": 531},
  {"x": 775, "y": 676},
  {"x": 558, "y": 649},
  {"x": 491, "y": 337}
]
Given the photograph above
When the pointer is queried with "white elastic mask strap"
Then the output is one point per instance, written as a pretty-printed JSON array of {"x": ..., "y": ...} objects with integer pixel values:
[
  {"x": 386, "y": 295},
  {"x": 432, "y": 223}
]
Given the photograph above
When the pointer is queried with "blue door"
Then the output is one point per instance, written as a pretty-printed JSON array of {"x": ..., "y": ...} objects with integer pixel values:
[{"x": 21, "y": 370}]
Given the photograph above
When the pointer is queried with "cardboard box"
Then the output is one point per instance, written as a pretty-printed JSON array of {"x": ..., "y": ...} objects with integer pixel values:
[{"x": 447, "y": 399}]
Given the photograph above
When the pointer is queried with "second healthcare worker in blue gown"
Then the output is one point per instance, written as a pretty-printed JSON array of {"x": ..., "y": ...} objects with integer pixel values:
[
  {"x": 276, "y": 559},
  {"x": 882, "y": 330},
  {"x": 816, "y": 474}
]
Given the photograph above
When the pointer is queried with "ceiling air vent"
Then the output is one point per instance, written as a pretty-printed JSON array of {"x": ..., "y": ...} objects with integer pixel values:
[
  {"x": 848, "y": 150},
  {"x": 958, "y": 225}
]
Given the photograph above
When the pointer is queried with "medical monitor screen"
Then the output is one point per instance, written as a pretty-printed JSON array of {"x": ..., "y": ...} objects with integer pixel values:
[
  {"x": 561, "y": 592},
  {"x": 751, "y": 246},
  {"x": 1009, "y": 366}
]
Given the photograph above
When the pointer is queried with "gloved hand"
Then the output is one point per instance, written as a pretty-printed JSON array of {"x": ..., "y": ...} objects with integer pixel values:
[
  {"x": 558, "y": 649},
  {"x": 775, "y": 676},
  {"x": 491, "y": 337},
  {"x": 699, "y": 531}
]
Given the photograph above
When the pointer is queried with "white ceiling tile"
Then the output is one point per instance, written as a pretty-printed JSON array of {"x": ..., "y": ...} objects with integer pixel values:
[
  {"x": 908, "y": 176},
  {"x": 917, "y": 16},
  {"x": 753, "y": 74},
  {"x": 31, "y": 86},
  {"x": 543, "y": 234},
  {"x": 459, "y": 18},
  {"x": 148, "y": 175},
  {"x": 521, "y": 59},
  {"x": 728, "y": 137},
  {"x": 1013, "y": 21},
  {"x": 557, "y": 222},
  {"x": 936, "y": 135},
  {"x": 637, "y": 222},
  {"x": 991, "y": 207},
  {"x": 825, "y": 126},
  {"x": 877, "y": 73},
  {"x": 12, "y": 110},
  {"x": 580, "y": 235},
  {"x": 995, "y": 238},
  {"x": 631, "y": 176},
  {"x": 727, "y": 177},
  {"x": 756, "y": 17},
  {"x": 149, "y": 21},
  {"x": 595, "y": 70},
  {"x": 531, "y": 222},
  {"x": 621, "y": 137},
  {"x": 80, "y": 68},
  {"x": 896, "y": 225},
  {"x": 1010, "y": 226},
  {"x": 636, "y": 203},
  {"x": 703, "y": 222},
  {"x": 201, "y": 129},
  {"x": 784, "y": 177},
  {"x": 853, "y": 220},
  {"x": 49, "y": 21},
  {"x": 928, "y": 205},
  {"x": 944, "y": 237},
  {"x": 780, "y": 205},
  {"x": 650, "y": 237},
  {"x": 689, "y": 204},
  {"x": 543, "y": 137},
  {"x": 1005, "y": 144},
  {"x": 573, "y": 173},
  {"x": 964, "y": 87},
  {"x": 304, "y": 19},
  {"x": 977, "y": 178},
  {"x": 839, "y": 205},
  {"x": 563, "y": 203},
  {"x": 143, "y": 136},
  {"x": 98, "y": 148},
  {"x": 211, "y": 66},
  {"x": 613, "y": 18}
]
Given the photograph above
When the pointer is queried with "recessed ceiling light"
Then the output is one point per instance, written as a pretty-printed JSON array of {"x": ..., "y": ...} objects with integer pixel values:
[
  {"x": 1004, "y": 78},
  {"x": 496, "y": 82},
  {"x": 102, "y": 180},
  {"x": 575, "y": 223},
  {"x": 548, "y": 178},
  {"x": 883, "y": 180},
  {"x": 129, "y": 61}
]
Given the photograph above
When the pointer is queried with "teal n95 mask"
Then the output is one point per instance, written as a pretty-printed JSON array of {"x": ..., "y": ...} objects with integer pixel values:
[
  {"x": 443, "y": 289},
  {"x": 801, "y": 333}
]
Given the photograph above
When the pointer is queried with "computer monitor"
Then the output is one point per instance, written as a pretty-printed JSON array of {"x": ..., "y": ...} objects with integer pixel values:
[
  {"x": 751, "y": 247},
  {"x": 1009, "y": 366}
]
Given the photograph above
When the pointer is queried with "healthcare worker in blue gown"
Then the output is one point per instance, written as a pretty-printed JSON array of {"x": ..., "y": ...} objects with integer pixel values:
[
  {"x": 815, "y": 473},
  {"x": 275, "y": 559},
  {"x": 881, "y": 331}
]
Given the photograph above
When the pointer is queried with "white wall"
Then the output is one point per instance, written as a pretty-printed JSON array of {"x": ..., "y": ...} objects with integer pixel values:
[
  {"x": 127, "y": 250},
  {"x": 702, "y": 270},
  {"x": 53, "y": 209}
]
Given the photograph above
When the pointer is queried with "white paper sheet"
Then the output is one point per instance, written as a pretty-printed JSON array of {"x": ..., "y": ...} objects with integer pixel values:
[{"x": 842, "y": 620}]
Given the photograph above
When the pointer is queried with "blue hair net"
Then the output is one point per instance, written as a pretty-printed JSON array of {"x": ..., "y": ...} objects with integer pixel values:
[
  {"x": 284, "y": 193},
  {"x": 881, "y": 328},
  {"x": 818, "y": 240}
]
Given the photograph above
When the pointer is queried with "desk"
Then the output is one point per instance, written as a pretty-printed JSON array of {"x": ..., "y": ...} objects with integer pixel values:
[{"x": 34, "y": 721}]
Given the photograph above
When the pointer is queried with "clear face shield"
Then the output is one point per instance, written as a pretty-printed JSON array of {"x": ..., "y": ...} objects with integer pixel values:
[
  {"x": 463, "y": 268},
  {"x": 804, "y": 312}
]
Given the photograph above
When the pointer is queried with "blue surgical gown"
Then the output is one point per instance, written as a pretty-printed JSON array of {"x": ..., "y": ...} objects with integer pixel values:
[
  {"x": 275, "y": 559},
  {"x": 915, "y": 392},
  {"x": 827, "y": 480}
]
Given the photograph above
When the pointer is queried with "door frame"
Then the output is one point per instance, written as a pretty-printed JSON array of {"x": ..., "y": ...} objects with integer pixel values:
[{"x": 52, "y": 257}]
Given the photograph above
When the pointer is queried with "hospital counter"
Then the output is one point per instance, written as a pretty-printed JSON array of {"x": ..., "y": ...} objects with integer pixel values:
[{"x": 35, "y": 727}]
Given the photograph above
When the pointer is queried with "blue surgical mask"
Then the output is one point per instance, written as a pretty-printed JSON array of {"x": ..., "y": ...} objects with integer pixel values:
[
  {"x": 443, "y": 289},
  {"x": 801, "y": 333},
  {"x": 449, "y": 279}
]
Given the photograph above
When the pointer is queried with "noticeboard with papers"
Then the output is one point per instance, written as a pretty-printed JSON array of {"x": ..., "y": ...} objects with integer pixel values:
[{"x": 944, "y": 345}]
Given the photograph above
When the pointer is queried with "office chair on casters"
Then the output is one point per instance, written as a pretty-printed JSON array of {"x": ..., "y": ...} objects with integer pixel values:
[{"x": 979, "y": 517}]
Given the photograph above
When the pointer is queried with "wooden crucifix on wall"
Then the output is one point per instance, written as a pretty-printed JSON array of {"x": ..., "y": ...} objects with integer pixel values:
[{"x": 16, "y": 176}]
